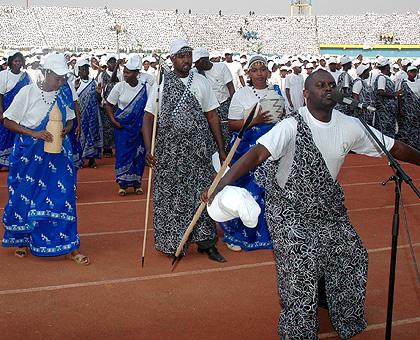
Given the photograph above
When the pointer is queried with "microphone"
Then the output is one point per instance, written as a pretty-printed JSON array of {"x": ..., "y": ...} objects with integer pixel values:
[{"x": 340, "y": 99}]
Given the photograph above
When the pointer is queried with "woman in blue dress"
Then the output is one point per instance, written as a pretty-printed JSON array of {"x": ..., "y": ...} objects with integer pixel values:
[
  {"x": 236, "y": 235},
  {"x": 40, "y": 215},
  {"x": 12, "y": 80},
  {"x": 130, "y": 96},
  {"x": 91, "y": 136}
]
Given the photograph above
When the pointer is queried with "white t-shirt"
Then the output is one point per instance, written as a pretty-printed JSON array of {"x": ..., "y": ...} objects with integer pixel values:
[
  {"x": 333, "y": 139},
  {"x": 123, "y": 93},
  {"x": 335, "y": 75},
  {"x": 382, "y": 81},
  {"x": 242, "y": 100},
  {"x": 415, "y": 87},
  {"x": 200, "y": 88},
  {"x": 8, "y": 80},
  {"x": 29, "y": 109},
  {"x": 295, "y": 83},
  {"x": 237, "y": 71},
  {"x": 83, "y": 84},
  {"x": 400, "y": 76},
  {"x": 36, "y": 75},
  {"x": 372, "y": 76},
  {"x": 218, "y": 76},
  {"x": 358, "y": 85}
]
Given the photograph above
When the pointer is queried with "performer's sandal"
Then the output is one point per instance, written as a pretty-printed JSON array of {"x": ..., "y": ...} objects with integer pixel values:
[
  {"x": 22, "y": 252},
  {"x": 78, "y": 258},
  {"x": 122, "y": 192}
]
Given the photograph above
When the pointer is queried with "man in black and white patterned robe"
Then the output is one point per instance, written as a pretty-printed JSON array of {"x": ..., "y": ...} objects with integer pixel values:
[
  {"x": 188, "y": 133},
  {"x": 308, "y": 222}
]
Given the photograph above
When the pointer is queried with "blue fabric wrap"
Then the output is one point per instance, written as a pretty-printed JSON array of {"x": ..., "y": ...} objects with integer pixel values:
[
  {"x": 41, "y": 210},
  {"x": 6, "y": 136},
  {"x": 91, "y": 138},
  {"x": 129, "y": 145},
  {"x": 235, "y": 232}
]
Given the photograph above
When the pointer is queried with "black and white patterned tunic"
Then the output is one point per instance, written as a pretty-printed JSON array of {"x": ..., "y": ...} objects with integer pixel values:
[
  {"x": 107, "y": 126},
  {"x": 345, "y": 87},
  {"x": 184, "y": 145},
  {"x": 409, "y": 121},
  {"x": 313, "y": 237},
  {"x": 223, "y": 111},
  {"x": 365, "y": 96},
  {"x": 386, "y": 108}
]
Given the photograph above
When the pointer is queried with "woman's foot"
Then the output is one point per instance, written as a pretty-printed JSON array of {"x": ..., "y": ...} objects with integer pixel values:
[
  {"x": 81, "y": 259},
  {"x": 22, "y": 252},
  {"x": 138, "y": 191},
  {"x": 92, "y": 163},
  {"x": 122, "y": 192}
]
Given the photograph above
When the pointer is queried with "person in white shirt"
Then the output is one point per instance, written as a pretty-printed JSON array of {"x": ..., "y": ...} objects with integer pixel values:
[
  {"x": 294, "y": 88},
  {"x": 130, "y": 97},
  {"x": 106, "y": 82},
  {"x": 385, "y": 99},
  {"x": 188, "y": 134},
  {"x": 409, "y": 119},
  {"x": 307, "y": 219},
  {"x": 345, "y": 84},
  {"x": 221, "y": 83},
  {"x": 91, "y": 137},
  {"x": 362, "y": 92},
  {"x": 401, "y": 75},
  {"x": 235, "y": 69},
  {"x": 333, "y": 68},
  {"x": 12, "y": 80}
]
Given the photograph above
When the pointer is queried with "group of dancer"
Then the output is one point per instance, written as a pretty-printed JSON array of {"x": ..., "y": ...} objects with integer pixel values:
[{"x": 286, "y": 160}]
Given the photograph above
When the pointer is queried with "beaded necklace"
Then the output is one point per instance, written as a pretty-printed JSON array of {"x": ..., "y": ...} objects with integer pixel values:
[
  {"x": 257, "y": 95},
  {"x": 43, "y": 96}
]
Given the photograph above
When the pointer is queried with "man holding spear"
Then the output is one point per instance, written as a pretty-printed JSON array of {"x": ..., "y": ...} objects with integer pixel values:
[{"x": 188, "y": 133}]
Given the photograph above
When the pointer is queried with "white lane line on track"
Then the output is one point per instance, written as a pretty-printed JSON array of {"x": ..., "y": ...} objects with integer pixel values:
[
  {"x": 152, "y": 277},
  {"x": 396, "y": 323},
  {"x": 136, "y": 279},
  {"x": 384, "y": 207},
  {"x": 368, "y": 183}
]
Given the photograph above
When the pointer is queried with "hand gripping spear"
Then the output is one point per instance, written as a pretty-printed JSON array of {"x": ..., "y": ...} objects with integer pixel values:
[
  {"x": 215, "y": 182},
  {"x": 152, "y": 151}
]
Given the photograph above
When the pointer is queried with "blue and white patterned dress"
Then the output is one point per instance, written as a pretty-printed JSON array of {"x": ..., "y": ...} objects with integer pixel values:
[{"x": 41, "y": 209}]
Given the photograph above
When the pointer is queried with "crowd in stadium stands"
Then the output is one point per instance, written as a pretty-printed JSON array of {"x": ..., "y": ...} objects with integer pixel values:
[{"x": 95, "y": 28}]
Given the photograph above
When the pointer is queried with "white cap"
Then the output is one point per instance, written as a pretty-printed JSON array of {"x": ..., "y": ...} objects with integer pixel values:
[
  {"x": 243, "y": 60},
  {"x": 227, "y": 51},
  {"x": 405, "y": 62},
  {"x": 198, "y": 53},
  {"x": 134, "y": 63},
  {"x": 284, "y": 68},
  {"x": 411, "y": 68},
  {"x": 356, "y": 61},
  {"x": 309, "y": 65},
  {"x": 382, "y": 61},
  {"x": 396, "y": 66},
  {"x": 177, "y": 45},
  {"x": 109, "y": 56},
  {"x": 332, "y": 61},
  {"x": 233, "y": 202},
  {"x": 11, "y": 53},
  {"x": 296, "y": 63},
  {"x": 416, "y": 62},
  {"x": 361, "y": 68},
  {"x": 344, "y": 60},
  {"x": 56, "y": 63}
]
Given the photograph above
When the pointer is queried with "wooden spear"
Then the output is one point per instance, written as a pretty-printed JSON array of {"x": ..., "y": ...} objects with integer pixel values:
[
  {"x": 152, "y": 151},
  {"x": 215, "y": 182}
]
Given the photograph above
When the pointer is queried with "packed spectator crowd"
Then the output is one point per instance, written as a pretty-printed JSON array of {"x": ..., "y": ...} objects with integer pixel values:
[{"x": 69, "y": 28}]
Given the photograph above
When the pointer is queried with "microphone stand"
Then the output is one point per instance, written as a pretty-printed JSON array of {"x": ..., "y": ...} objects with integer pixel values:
[{"x": 399, "y": 176}]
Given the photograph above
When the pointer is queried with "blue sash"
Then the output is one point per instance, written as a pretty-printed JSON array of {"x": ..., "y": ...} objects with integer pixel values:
[
  {"x": 129, "y": 146},
  {"x": 41, "y": 210},
  {"x": 91, "y": 138},
  {"x": 75, "y": 143},
  {"x": 6, "y": 136},
  {"x": 235, "y": 232}
]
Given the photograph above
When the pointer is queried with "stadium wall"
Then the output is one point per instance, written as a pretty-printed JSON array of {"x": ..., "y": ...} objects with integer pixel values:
[{"x": 390, "y": 51}]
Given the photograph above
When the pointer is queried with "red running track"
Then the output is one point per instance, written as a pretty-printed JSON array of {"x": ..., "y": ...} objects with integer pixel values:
[{"x": 114, "y": 298}]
